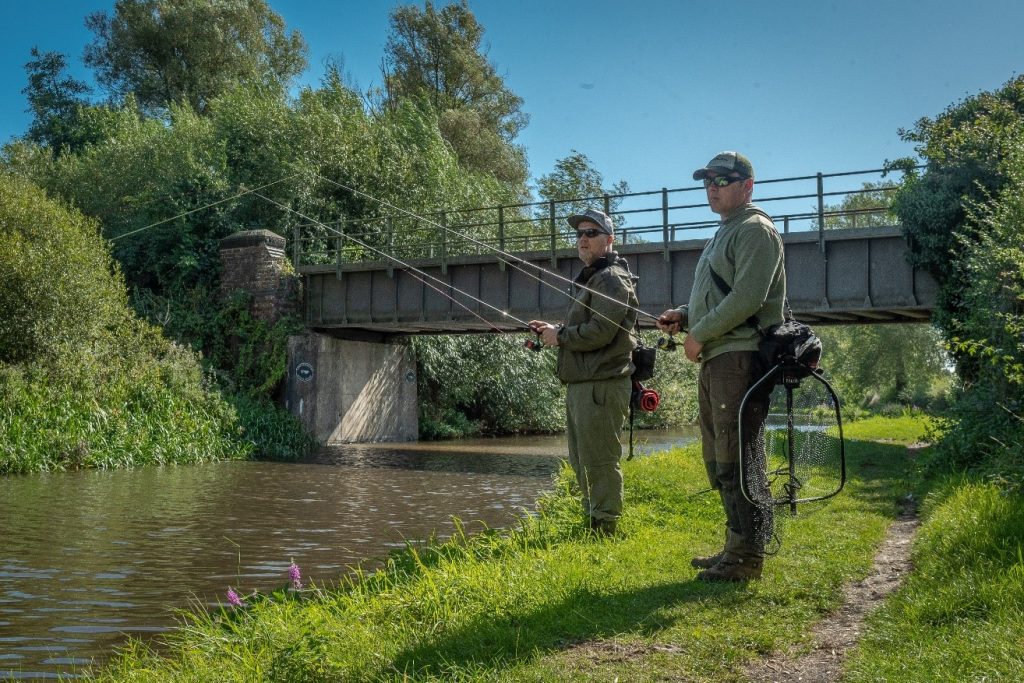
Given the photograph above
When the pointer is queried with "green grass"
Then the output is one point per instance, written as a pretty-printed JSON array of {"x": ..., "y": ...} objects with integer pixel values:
[
  {"x": 549, "y": 602},
  {"x": 960, "y": 615},
  {"x": 906, "y": 429}
]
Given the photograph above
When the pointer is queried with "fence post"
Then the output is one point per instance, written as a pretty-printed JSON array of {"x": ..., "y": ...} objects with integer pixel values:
[
  {"x": 607, "y": 203},
  {"x": 501, "y": 236},
  {"x": 389, "y": 226},
  {"x": 444, "y": 243},
  {"x": 551, "y": 222},
  {"x": 664, "y": 223},
  {"x": 821, "y": 212},
  {"x": 785, "y": 224},
  {"x": 338, "y": 243}
]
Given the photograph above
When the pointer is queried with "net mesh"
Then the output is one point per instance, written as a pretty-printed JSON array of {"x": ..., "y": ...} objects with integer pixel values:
[{"x": 772, "y": 478}]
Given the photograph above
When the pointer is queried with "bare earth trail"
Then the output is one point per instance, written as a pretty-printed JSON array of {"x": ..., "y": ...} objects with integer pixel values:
[{"x": 833, "y": 637}]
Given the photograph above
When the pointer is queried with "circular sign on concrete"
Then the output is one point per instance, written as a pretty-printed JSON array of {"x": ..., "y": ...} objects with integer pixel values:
[
  {"x": 304, "y": 371},
  {"x": 410, "y": 376}
]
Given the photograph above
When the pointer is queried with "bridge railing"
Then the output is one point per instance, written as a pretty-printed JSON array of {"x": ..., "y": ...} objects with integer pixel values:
[{"x": 818, "y": 202}]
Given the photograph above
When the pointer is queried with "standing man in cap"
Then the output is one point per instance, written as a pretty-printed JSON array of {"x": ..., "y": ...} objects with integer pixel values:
[
  {"x": 739, "y": 285},
  {"x": 595, "y": 345}
]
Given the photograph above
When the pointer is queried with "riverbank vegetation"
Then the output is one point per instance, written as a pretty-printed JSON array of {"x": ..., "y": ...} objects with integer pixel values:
[{"x": 83, "y": 381}]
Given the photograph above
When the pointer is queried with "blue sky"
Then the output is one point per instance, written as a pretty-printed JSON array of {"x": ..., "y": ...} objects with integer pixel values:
[{"x": 651, "y": 89}]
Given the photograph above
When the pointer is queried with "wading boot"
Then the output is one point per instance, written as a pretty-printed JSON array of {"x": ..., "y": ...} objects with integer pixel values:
[
  {"x": 603, "y": 527},
  {"x": 733, "y": 569},
  {"x": 733, "y": 543},
  {"x": 708, "y": 561}
]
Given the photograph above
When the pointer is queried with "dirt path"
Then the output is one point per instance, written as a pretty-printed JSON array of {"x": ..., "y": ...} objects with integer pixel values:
[{"x": 834, "y": 636}]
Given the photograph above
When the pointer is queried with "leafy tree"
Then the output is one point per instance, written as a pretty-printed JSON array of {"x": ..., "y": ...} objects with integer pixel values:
[
  {"x": 575, "y": 185},
  {"x": 83, "y": 382},
  {"x": 968, "y": 163},
  {"x": 435, "y": 56},
  {"x": 985, "y": 430},
  {"x": 486, "y": 384},
  {"x": 190, "y": 51},
  {"x": 868, "y": 207},
  {"x": 994, "y": 297},
  {"x": 55, "y": 100},
  {"x": 963, "y": 215},
  {"x": 47, "y": 316},
  {"x": 875, "y": 365}
]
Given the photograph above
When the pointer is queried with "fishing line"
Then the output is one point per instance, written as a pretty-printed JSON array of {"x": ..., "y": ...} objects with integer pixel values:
[
  {"x": 416, "y": 272},
  {"x": 498, "y": 251},
  {"x": 203, "y": 208}
]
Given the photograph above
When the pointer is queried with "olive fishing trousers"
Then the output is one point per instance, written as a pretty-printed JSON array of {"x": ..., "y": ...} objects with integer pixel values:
[{"x": 595, "y": 412}]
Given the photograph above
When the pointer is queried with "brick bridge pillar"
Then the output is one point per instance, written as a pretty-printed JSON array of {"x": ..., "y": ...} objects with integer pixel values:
[
  {"x": 254, "y": 262},
  {"x": 342, "y": 391}
]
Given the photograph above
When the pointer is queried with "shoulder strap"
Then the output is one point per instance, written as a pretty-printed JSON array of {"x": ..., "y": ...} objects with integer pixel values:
[{"x": 724, "y": 286}]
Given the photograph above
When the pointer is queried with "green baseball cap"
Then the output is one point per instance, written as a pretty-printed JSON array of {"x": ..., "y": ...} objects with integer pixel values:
[
  {"x": 602, "y": 220},
  {"x": 725, "y": 163}
]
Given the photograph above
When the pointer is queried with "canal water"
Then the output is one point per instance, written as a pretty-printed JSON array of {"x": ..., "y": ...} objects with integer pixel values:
[{"x": 90, "y": 558}]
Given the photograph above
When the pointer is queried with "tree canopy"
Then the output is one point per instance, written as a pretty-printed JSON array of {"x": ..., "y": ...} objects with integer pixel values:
[
  {"x": 965, "y": 219},
  {"x": 54, "y": 99},
  {"x": 575, "y": 178},
  {"x": 968, "y": 162},
  {"x": 191, "y": 51},
  {"x": 435, "y": 56}
]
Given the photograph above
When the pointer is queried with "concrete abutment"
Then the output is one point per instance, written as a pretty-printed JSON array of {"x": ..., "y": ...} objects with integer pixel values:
[
  {"x": 347, "y": 391},
  {"x": 343, "y": 391}
]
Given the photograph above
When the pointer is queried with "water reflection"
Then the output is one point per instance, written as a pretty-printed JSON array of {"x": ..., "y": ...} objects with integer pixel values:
[{"x": 87, "y": 558}]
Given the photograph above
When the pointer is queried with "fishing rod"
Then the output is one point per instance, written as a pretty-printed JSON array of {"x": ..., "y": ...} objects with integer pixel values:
[
  {"x": 504, "y": 256},
  {"x": 532, "y": 345},
  {"x": 420, "y": 275}
]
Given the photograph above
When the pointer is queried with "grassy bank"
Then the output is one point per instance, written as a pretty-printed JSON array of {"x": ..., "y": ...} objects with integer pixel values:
[
  {"x": 549, "y": 602},
  {"x": 84, "y": 382},
  {"x": 960, "y": 614}
]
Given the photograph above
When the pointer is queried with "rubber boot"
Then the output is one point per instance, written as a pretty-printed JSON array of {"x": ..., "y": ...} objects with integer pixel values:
[{"x": 709, "y": 561}]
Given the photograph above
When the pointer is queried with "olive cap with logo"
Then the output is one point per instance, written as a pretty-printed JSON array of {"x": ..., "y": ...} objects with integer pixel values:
[
  {"x": 602, "y": 220},
  {"x": 726, "y": 163}
]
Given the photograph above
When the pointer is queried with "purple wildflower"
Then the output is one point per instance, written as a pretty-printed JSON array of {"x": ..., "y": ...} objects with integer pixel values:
[
  {"x": 234, "y": 599},
  {"x": 295, "y": 575}
]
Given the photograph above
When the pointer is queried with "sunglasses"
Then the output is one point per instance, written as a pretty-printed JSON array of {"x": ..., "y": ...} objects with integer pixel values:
[
  {"x": 722, "y": 180},
  {"x": 589, "y": 232}
]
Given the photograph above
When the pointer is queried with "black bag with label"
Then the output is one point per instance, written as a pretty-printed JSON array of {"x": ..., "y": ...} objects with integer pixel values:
[
  {"x": 793, "y": 344},
  {"x": 643, "y": 362}
]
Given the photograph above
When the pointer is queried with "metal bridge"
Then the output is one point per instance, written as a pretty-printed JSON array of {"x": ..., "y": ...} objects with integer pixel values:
[{"x": 399, "y": 274}]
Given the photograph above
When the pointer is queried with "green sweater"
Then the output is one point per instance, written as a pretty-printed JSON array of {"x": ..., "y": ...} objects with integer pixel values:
[{"x": 746, "y": 252}]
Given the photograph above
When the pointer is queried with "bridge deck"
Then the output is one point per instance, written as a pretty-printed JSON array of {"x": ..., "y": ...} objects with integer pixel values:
[{"x": 847, "y": 276}]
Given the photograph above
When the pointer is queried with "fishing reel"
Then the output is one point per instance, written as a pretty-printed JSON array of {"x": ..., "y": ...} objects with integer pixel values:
[
  {"x": 645, "y": 399},
  {"x": 536, "y": 345},
  {"x": 667, "y": 343}
]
